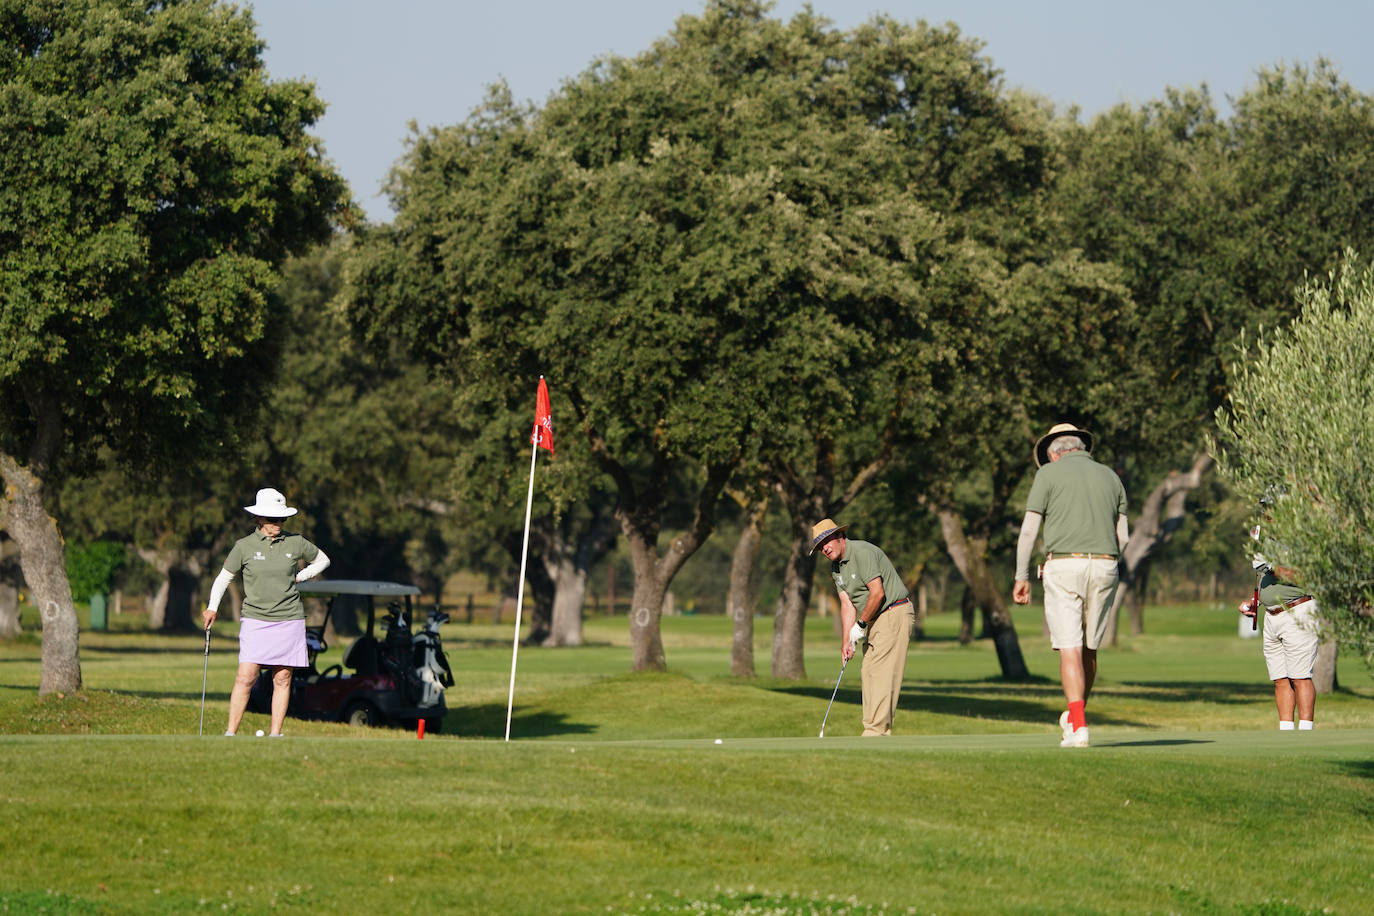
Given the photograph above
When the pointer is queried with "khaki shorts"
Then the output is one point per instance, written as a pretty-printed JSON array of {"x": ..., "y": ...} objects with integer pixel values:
[
  {"x": 1290, "y": 642},
  {"x": 1078, "y": 597}
]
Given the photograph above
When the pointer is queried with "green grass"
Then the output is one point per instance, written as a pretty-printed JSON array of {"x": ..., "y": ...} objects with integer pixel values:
[{"x": 614, "y": 797}]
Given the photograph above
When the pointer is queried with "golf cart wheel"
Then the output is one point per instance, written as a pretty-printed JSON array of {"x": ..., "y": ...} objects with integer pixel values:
[{"x": 362, "y": 713}]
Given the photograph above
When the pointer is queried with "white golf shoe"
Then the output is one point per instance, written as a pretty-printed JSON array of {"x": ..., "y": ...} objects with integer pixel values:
[
  {"x": 1078, "y": 739},
  {"x": 1065, "y": 726}
]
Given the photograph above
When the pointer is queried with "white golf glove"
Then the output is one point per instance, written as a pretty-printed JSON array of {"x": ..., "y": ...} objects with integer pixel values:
[{"x": 856, "y": 634}]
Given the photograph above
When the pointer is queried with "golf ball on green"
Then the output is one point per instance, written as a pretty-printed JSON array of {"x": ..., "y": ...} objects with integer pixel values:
[{"x": 259, "y": 733}]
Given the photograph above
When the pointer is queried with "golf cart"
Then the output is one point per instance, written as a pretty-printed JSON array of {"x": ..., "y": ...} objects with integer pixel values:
[{"x": 399, "y": 678}]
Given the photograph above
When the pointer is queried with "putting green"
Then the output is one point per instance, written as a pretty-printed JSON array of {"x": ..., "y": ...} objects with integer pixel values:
[{"x": 1319, "y": 742}]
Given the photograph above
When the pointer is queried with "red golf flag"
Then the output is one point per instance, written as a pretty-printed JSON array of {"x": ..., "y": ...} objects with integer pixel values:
[{"x": 543, "y": 419}]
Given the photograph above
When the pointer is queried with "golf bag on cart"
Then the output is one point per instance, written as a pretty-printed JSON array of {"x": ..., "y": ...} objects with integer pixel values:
[
  {"x": 416, "y": 661},
  {"x": 428, "y": 658}
]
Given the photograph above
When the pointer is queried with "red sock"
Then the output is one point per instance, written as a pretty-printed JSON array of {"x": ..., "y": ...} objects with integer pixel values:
[{"x": 1076, "y": 717}]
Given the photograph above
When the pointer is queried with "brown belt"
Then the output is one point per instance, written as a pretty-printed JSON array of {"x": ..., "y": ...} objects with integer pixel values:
[
  {"x": 1079, "y": 556},
  {"x": 1288, "y": 605},
  {"x": 899, "y": 601}
]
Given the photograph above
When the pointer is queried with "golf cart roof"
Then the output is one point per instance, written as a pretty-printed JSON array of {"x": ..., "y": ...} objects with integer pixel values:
[{"x": 356, "y": 587}]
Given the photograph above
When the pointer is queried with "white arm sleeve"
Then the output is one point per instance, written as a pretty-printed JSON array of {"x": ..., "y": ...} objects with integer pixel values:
[
  {"x": 218, "y": 588},
  {"x": 1123, "y": 532},
  {"x": 314, "y": 569},
  {"x": 1030, "y": 529}
]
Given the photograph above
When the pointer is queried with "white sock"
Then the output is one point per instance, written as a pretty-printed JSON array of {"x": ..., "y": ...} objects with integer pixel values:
[
  {"x": 1285, "y": 726},
  {"x": 1304, "y": 725}
]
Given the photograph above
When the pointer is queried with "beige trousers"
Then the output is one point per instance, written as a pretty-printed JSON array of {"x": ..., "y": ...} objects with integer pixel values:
[{"x": 884, "y": 665}]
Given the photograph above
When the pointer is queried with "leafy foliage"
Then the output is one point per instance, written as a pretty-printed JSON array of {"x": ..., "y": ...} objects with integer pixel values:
[
  {"x": 151, "y": 180},
  {"x": 91, "y": 567}
]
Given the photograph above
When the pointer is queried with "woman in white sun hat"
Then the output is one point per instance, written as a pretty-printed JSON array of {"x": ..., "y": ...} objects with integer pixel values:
[{"x": 272, "y": 632}]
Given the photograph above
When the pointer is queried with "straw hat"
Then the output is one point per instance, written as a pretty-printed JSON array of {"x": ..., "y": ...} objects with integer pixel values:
[
  {"x": 1042, "y": 447},
  {"x": 270, "y": 504},
  {"x": 823, "y": 530}
]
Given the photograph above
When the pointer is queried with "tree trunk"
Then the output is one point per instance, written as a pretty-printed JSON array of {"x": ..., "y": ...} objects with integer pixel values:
[
  {"x": 570, "y": 551},
  {"x": 639, "y": 511},
  {"x": 1324, "y": 674},
  {"x": 740, "y": 602},
  {"x": 646, "y": 607},
  {"x": 538, "y": 607},
  {"x": 970, "y": 558},
  {"x": 1136, "y": 609},
  {"x": 640, "y": 523},
  {"x": 569, "y": 595},
  {"x": 789, "y": 617},
  {"x": 157, "y": 605},
  {"x": 1161, "y": 515},
  {"x": 43, "y": 560},
  {"x": 9, "y": 611},
  {"x": 922, "y": 609},
  {"x": 11, "y": 580},
  {"x": 183, "y": 597},
  {"x": 966, "y": 608}
]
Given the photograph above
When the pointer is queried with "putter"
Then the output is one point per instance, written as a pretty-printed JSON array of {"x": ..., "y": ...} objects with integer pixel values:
[
  {"x": 205, "y": 673},
  {"x": 832, "y": 695}
]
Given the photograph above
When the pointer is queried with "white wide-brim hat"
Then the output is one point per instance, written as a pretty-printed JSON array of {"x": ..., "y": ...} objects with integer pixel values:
[{"x": 270, "y": 504}]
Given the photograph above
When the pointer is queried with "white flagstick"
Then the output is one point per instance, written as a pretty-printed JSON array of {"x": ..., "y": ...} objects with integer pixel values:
[{"x": 520, "y": 588}]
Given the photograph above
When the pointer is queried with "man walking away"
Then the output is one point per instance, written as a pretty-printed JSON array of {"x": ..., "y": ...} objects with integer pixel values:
[{"x": 1083, "y": 506}]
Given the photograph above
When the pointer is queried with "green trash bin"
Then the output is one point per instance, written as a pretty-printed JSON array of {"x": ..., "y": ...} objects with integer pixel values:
[{"x": 98, "y": 617}]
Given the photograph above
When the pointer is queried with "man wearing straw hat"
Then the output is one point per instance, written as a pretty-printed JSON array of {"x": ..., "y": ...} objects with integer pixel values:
[
  {"x": 874, "y": 609},
  {"x": 1083, "y": 505}
]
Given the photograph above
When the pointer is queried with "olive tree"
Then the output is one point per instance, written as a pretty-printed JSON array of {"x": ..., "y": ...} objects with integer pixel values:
[{"x": 1297, "y": 431}]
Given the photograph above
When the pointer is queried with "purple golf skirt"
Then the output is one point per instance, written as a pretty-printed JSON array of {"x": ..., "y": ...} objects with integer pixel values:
[{"x": 276, "y": 643}]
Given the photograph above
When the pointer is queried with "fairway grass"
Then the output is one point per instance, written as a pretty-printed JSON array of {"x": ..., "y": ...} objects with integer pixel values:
[
  {"x": 615, "y": 798},
  {"x": 974, "y": 824}
]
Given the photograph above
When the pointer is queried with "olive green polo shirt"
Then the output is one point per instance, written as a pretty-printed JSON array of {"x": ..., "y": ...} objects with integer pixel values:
[
  {"x": 1080, "y": 500},
  {"x": 1274, "y": 591},
  {"x": 269, "y": 566},
  {"x": 861, "y": 564}
]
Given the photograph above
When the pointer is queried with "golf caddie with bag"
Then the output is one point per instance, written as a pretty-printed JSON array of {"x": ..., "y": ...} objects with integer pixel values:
[
  {"x": 272, "y": 631},
  {"x": 1083, "y": 506},
  {"x": 875, "y": 612}
]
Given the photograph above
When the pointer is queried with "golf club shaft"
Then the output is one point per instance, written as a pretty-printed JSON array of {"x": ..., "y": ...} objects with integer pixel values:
[
  {"x": 204, "y": 674},
  {"x": 832, "y": 695}
]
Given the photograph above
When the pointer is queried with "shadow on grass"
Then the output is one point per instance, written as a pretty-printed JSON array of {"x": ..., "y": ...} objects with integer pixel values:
[
  {"x": 1161, "y": 742},
  {"x": 1361, "y": 769},
  {"x": 990, "y": 704},
  {"x": 1220, "y": 692},
  {"x": 489, "y": 721},
  {"x": 89, "y": 652}
]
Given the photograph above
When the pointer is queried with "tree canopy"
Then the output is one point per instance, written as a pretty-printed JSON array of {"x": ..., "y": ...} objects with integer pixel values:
[{"x": 151, "y": 180}]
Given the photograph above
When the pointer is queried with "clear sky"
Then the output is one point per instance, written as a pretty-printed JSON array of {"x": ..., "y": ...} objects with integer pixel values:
[{"x": 380, "y": 64}]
